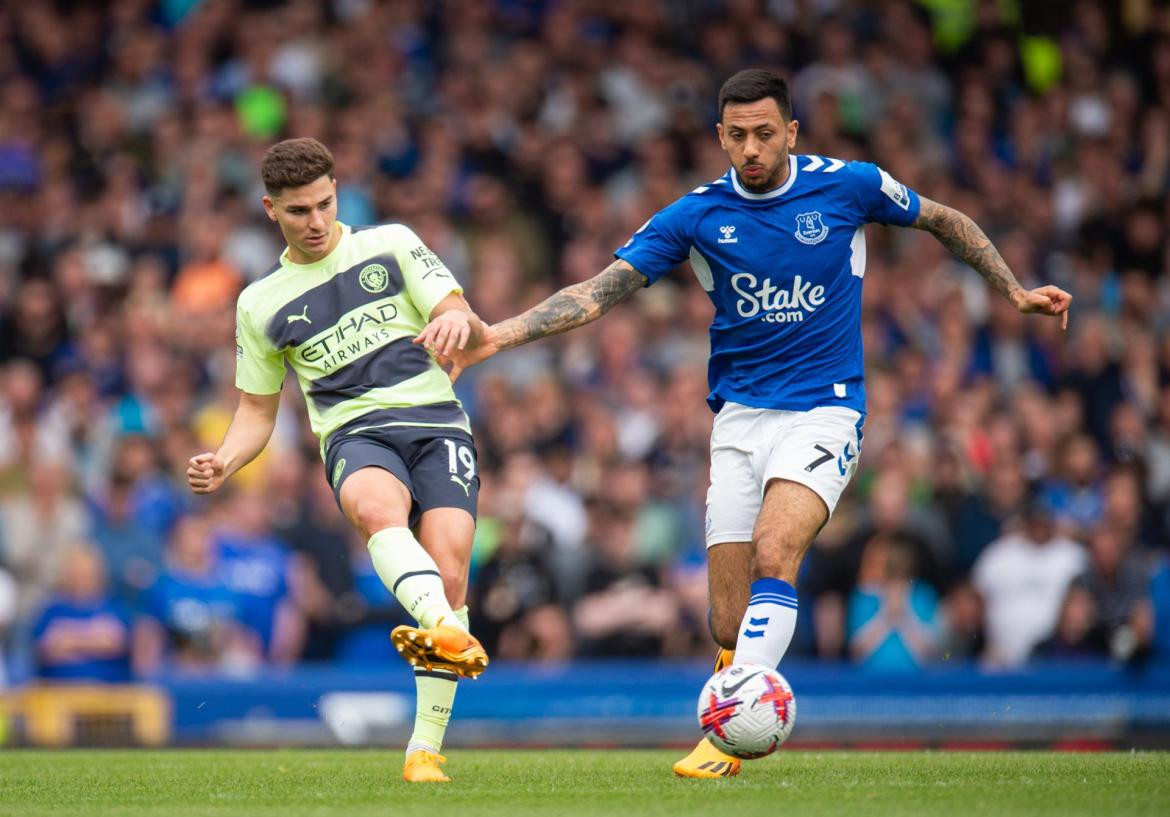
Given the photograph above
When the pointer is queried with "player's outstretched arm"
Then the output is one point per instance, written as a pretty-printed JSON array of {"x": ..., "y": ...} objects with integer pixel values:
[
  {"x": 962, "y": 236},
  {"x": 246, "y": 437},
  {"x": 566, "y": 309},
  {"x": 571, "y": 307}
]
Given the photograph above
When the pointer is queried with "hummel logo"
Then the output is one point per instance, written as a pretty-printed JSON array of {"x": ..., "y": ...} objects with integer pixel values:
[
  {"x": 849, "y": 455},
  {"x": 464, "y": 485},
  {"x": 728, "y": 235},
  {"x": 304, "y": 316}
]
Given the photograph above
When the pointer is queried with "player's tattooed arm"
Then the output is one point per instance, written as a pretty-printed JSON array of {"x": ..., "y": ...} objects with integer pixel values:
[
  {"x": 572, "y": 306},
  {"x": 962, "y": 236}
]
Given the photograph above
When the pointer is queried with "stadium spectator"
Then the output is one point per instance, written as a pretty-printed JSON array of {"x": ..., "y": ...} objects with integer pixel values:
[
  {"x": 132, "y": 550},
  {"x": 37, "y": 526},
  {"x": 625, "y": 609},
  {"x": 1079, "y": 632},
  {"x": 82, "y": 633},
  {"x": 982, "y": 515},
  {"x": 892, "y": 619},
  {"x": 961, "y": 624},
  {"x": 1023, "y": 577},
  {"x": 192, "y": 622},
  {"x": 1075, "y": 493},
  {"x": 1118, "y": 581},
  {"x": 258, "y": 569},
  {"x": 516, "y": 607}
]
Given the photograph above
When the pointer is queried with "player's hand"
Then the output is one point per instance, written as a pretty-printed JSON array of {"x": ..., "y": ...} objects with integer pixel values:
[
  {"x": 1045, "y": 300},
  {"x": 481, "y": 346},
  {"x": 447, "y": 333},
  {"x": 205, "y": 473}
]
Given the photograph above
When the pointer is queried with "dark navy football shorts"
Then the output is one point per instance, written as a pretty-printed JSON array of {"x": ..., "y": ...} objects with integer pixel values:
[{"x": 437, "y": 465}]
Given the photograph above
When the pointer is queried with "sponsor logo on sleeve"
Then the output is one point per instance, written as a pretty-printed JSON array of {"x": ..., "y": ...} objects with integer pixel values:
[
  {"x": 895, "y": 190},
  {"x": 432, "y": 262}
]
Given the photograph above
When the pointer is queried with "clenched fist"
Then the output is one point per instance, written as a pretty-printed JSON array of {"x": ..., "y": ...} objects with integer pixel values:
[{"x": 205, "y": 473}]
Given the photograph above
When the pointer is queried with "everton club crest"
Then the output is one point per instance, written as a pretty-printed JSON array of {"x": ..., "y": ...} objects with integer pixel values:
[{"x": 810, "y": 229}]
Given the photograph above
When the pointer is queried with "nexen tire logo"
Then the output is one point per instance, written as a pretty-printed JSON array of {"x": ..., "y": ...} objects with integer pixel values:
[{"x": 778, "y": 305}]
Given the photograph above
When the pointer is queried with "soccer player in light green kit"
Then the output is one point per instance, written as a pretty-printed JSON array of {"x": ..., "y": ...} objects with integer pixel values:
[{"x": 343, "y": 308}]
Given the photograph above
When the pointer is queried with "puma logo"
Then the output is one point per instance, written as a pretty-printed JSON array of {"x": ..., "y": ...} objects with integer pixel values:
[
  {"x": 304, "y": 316},
  {"x": 464, "y": 485}
]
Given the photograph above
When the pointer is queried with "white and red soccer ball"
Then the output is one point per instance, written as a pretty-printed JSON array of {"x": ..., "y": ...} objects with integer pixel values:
[{"x": 747, "y": 710}]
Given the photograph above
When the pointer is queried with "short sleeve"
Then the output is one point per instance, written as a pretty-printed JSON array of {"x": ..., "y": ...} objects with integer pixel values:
[
  {"x": 659, "y": 245},
  {"x": 259, "y": 364},
  {"x": 427, "y": 278},
  {"x": 883, "y": 198}
]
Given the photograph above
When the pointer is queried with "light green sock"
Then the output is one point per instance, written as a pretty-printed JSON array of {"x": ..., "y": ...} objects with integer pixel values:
[
  {"x": 411, "y": 575},
  {"x": 464, "y": 619},
  {"x": 435, "y": 696}
]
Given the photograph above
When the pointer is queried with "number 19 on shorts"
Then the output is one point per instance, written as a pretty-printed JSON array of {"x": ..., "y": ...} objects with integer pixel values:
[{"x": 460, "y": 455}]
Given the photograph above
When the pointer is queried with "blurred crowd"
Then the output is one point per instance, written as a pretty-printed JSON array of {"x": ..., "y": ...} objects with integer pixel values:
[{"x": 1013, "y": 501}]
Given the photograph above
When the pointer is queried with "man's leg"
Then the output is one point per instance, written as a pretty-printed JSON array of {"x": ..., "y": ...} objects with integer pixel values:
[
  {"x": 446, "y": 534},
  {"x": 790, "y": 518},
  {"x": 729, "y": 578},
  {"x": 378, "y": 505},
  {"x": 729, "y": 567}
]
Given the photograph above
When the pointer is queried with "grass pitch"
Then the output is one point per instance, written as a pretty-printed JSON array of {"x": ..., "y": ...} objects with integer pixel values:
[{"x": 292, "y": 783}]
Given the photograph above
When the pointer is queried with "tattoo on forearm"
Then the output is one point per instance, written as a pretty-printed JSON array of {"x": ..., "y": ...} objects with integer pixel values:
[
  {"x": 573, "y": 306},
  {"x": 962, "y": 236}
]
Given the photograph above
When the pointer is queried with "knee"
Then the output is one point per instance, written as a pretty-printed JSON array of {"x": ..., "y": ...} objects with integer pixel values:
[
  {"x": 777, "y": 560},
  {"x": 370, "y": 516}
]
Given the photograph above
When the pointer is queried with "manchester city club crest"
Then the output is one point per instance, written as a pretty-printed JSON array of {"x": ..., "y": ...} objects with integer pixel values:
[
  {"x": 373, "y": 278},
  {"x": 810, "y": 229}
]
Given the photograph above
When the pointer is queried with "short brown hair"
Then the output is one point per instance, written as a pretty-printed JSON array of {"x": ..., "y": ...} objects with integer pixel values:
[{"x": 293, "y": 163}]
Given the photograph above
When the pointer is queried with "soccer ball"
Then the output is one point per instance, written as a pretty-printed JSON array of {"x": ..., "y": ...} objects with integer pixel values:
[{"x": 747, "y": 710}]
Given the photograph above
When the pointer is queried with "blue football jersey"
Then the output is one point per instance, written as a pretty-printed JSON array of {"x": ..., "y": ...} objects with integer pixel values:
[{"x": 784, "y": 270}]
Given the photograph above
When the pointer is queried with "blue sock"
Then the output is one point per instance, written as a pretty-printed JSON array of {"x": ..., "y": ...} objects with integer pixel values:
[{"x": 768, "y": 625}]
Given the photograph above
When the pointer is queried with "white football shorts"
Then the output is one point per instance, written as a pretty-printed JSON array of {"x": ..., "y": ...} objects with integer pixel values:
[{"x": 749, "y": 447}]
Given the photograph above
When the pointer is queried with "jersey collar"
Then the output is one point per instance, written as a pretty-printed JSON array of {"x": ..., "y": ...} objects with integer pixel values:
[{"x": 771, "y": 194}]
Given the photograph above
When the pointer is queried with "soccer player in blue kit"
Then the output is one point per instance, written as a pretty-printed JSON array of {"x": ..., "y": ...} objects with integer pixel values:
[{"x": 778, "y": 244}]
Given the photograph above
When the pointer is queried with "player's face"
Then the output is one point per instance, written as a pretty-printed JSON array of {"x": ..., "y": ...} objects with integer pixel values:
[
  {"x": 307, "y": 216},
  {"x": 757, "y": 139}
]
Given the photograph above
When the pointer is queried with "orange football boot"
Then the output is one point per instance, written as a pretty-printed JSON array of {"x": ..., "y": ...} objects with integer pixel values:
[
  {"x": 423, "y": 767},
  {"x": 440, "y": 647},
  {"x": 705, "y": 760}
]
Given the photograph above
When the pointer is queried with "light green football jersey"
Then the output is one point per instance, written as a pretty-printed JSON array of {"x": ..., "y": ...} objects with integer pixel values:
[{"x": 345, "y": 326}]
